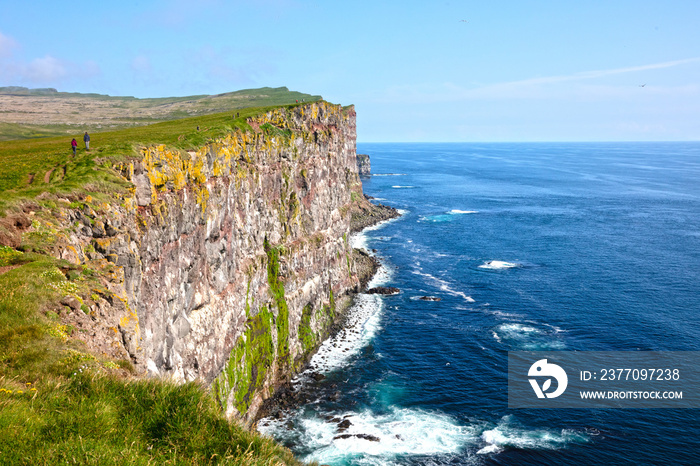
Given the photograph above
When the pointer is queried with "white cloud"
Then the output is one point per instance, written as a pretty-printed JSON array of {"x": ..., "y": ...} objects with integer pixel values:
[
  {"x": 46, "y": 69},
  {"x": 535, "y": 88},
  {"x": 596, "y": 74},
  {"x": 7, "y": 45}
]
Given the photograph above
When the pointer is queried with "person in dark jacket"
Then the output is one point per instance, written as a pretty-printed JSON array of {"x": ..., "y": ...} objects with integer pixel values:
[
  {"x": 74, "y": 145},
  {"x": 86, "y": 138}
]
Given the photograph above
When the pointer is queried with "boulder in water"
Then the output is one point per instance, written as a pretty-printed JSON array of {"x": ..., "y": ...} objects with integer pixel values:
[
  {"x": 429, "y": 298},
  {"x": 369, "y": 437},
  {"x": 386, "y": 290}
]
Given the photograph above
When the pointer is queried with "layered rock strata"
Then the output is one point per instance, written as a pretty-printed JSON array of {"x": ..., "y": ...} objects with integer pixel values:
[{"x": 228, "y": 264}]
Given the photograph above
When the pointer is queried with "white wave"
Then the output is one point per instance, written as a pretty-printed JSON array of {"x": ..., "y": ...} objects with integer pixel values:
[
  {"x": 498, "y": 265},
  {"x": 402, "y": 431},
  {"x": 405, "y": 187},
  {"x": 503, "y": 315},
  {"x": 461, "y": 294},
  {"x": 436, "y": 218},
  {"x": 362, "y": 321},
  {"x": 555, "y": 329},
  {"x": 362, "y": 324},
  {"x": 518, "y": 329},
  {"x": 528, "y": 337},
  {"x": 444, "y": 286},
  {"x": 446, "y": 217},
  {"x": 359, "y": 240},
  {"x": 378, "y": 199},
  {"x": 509, "y": 435},
  {"x": 389, "y": 174},
  {"x": 544, "y": 345},
  {"x": 380, "y": 438}
]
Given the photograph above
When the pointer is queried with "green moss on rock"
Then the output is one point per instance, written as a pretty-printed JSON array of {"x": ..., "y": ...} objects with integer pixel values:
[
  {"x": 249, "y": 362},
  {"x": 306, "y": 333},
  {"x": 277, "y": 292}
]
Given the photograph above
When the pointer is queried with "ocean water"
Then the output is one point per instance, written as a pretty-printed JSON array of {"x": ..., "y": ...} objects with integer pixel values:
[{"x": 530, "y": 247}]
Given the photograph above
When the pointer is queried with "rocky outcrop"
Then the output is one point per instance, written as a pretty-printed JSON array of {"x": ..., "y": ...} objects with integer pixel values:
[
  {"x": 363, "y": 165},
  {"x": 364, "y": 214},
  {"x": 366, "y": 266},
  {"x": 229, "y": 264}
]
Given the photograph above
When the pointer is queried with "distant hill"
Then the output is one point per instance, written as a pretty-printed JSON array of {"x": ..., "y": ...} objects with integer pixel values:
[
  {"x": 19, "y": 90},
  {"x": 34, "y": 113}
]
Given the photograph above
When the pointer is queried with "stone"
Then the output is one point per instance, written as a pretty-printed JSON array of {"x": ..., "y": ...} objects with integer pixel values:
[
  {"x": 344, "y": 425},
  {"x": 369, "y": 437},
  {"x": 98, "y": 229},
  {"x": 143, "y": 189},
  {"x": 429, "y": 298},
  {"x": 72, "y": 302},
  {"x": 385, "y": 290}
]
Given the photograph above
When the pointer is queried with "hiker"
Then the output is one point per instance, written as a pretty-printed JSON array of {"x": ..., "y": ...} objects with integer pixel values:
[
  {"x": 74, "y": 145},
  {"x": 86, "y": 138}
]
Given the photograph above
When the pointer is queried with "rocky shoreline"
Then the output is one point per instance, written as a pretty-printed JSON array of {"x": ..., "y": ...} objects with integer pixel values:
[
  {"x": 364, "y": 216},
  {"x": 367, "y": 214}
]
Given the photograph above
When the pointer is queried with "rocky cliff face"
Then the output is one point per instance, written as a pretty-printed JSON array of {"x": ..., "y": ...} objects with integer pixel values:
[
  {"x": 364, "y": 167},
  {"x": 227, "y": 264}
]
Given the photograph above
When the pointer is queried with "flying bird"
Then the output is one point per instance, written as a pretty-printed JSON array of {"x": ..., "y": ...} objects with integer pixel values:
[
  {"x": 642, "y": 85},
  {"x": 463, "y": 21}
]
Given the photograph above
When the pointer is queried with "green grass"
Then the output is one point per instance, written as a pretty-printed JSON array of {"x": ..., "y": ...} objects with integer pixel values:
[
  {"x": 101, "y": 420},
  {"x": 10, "y": 131},
  {"x": 34, "y": 345}
]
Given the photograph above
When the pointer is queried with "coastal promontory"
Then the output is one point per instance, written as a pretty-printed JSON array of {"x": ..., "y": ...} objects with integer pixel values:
[{"x": 210, "y": 250}]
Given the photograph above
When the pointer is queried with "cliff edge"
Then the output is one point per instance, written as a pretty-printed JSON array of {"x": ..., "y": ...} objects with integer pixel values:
[{"x": 227, "y": 264}]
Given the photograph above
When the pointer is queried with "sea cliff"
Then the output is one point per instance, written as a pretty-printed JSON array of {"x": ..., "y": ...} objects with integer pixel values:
[{"x": 228, "y": 264}]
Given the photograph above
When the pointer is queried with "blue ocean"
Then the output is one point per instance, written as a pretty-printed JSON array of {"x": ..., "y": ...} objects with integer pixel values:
[{"x": 529, "y": 246}]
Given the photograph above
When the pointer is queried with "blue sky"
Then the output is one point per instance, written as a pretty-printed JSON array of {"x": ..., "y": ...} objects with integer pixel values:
[{"x": 522, "y": 70}]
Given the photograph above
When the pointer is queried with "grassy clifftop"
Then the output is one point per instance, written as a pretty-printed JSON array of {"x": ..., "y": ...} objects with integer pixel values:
[
  {"x": 31, "y": 113},
  {"x": 59, "y": 402},
  {"x": 30, "y": 167}
]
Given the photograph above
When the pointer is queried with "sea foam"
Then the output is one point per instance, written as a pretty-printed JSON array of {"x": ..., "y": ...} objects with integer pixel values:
[
  {"x": 508, "y": 434},
  {"x": 443, "y": 285},
  {"x": 373, "y": 438},
  {"x": 529, "y": 336},
  {"x": 498, "y": 265}
]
